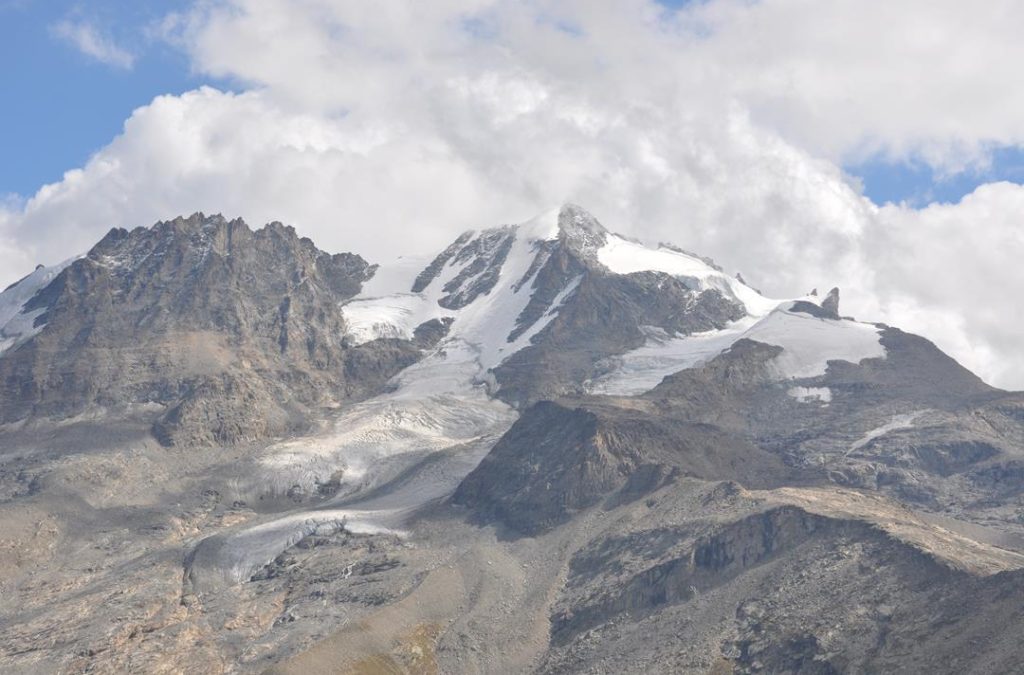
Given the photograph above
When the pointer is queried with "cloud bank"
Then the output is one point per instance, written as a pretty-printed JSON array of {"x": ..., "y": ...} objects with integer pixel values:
[{"x": 390, "y": 127}]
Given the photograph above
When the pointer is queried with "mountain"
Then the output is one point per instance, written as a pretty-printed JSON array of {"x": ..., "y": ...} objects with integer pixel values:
[
  {"x": 219, "y": 333},
  {"x": 546, "y": 304},
  {"x": 546, "y": 448}
]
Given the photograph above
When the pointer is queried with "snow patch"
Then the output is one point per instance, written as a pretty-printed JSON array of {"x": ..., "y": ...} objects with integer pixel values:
[
  {"x": 642, "y": 369},
  {"x": 903, "y": 421},
  {"x": 811, "y": 394},
  {"x": 17, "y": 325},
  {"x": 808, "y": 345},
  {"x": 541, "y": 228},
  {"x": 626, "y": 257},
  {"x": 394, "y": 316}
]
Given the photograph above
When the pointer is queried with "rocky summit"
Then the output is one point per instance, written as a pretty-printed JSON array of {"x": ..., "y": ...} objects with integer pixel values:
[
  {"x": 546, "y": 448},
  {"x": 219, "y": 333}
]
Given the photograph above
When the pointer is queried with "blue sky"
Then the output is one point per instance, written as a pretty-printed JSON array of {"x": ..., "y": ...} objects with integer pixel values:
[
  {"x": 61, "y": 105},
  {"x": 917, "y": 184}
]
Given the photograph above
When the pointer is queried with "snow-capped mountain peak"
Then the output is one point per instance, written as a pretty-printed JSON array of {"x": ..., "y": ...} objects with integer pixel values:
[
  {"x": 481, "y": 284},
  {"x": 497, "y": 290}
]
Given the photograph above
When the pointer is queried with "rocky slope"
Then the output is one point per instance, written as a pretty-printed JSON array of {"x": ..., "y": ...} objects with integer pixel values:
[
  {"x": 219, "y": 333},
  {"x": 547, "y": 448}
]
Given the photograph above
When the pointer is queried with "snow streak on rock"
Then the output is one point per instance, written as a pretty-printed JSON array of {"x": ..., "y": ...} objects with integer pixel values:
[
  {"x": 16, "y": 324},
  {"x": 389, "y": 307},
  {"x": 811, "y": 394}
]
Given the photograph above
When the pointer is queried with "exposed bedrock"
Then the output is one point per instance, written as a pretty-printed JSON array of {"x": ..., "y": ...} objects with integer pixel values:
[
  {"x": 782, "y": 589},
  {"x": 559, "y": 459},
  {"x": 606, "y": 316},
  {"x": 220, "y": 333},
  {"x": 686, "y": 563}
]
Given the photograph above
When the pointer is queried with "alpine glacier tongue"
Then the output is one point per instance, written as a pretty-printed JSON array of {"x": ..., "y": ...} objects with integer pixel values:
[{"x": 436, "y": 417}]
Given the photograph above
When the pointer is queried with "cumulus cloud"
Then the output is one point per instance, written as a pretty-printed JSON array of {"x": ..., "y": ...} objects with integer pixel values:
[
  {"x": 390, "y": 128},
  {"x": 92, "y": 42},
  {"x": 923, "y": 79},
  {"x": 15, "y": 258},
  {"x": 954, "y": 270}
]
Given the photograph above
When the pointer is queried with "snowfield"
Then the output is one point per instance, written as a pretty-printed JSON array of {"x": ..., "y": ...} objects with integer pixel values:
[
  {"x": 625, "y": 257},
  {"x": 16, "y": 325},
  {"x": 808, "y": 344},
  {"x": 388, "y": 308},
  {"x": 642, "y": 369}
]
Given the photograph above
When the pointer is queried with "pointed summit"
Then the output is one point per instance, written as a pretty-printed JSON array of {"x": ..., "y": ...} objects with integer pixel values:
[
  {"x": 580, "y": 230},
  {"x": 568, "y": 222},
  {"x": 831, "y": 304},
  {"x": 574, "y": 218}
]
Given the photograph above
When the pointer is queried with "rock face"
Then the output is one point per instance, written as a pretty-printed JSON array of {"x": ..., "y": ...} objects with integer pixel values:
[
  {"x": 830, "y": 305},
  {"x": 780, "y": 588},
  {"x": 606, "y": 315},
  {"x": 914, "y": 426},
  {"x": 558, "y": 460},
  {"x": 225, "y": 333}
]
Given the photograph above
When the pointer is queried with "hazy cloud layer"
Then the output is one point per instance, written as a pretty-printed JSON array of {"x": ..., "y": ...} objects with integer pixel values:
[{"x": 389, "y": 127}]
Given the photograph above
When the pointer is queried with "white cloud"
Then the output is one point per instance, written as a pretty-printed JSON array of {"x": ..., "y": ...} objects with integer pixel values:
[
  {"x": 89, "y": 40},
  {"x": 391, "y": 127},
  {"x": 954, "y": 273},
  {"x": 932, "y": 79},
  {"x": 925, "y": 78}
]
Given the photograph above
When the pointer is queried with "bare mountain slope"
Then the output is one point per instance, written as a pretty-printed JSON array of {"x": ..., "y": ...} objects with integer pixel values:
[{"x": 220, "y": 333}]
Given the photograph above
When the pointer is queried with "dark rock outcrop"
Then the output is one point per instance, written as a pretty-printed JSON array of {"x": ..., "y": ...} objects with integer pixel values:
[
  {"x": 562, "y": 458},
  {"x": 605, "y": 316},
  {"x": 831, "y": 304},
  {"x": 485, "y": 255}
]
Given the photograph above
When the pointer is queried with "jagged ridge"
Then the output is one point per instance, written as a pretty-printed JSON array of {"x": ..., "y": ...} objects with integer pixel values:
[{"x": 224, "y": 333}]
